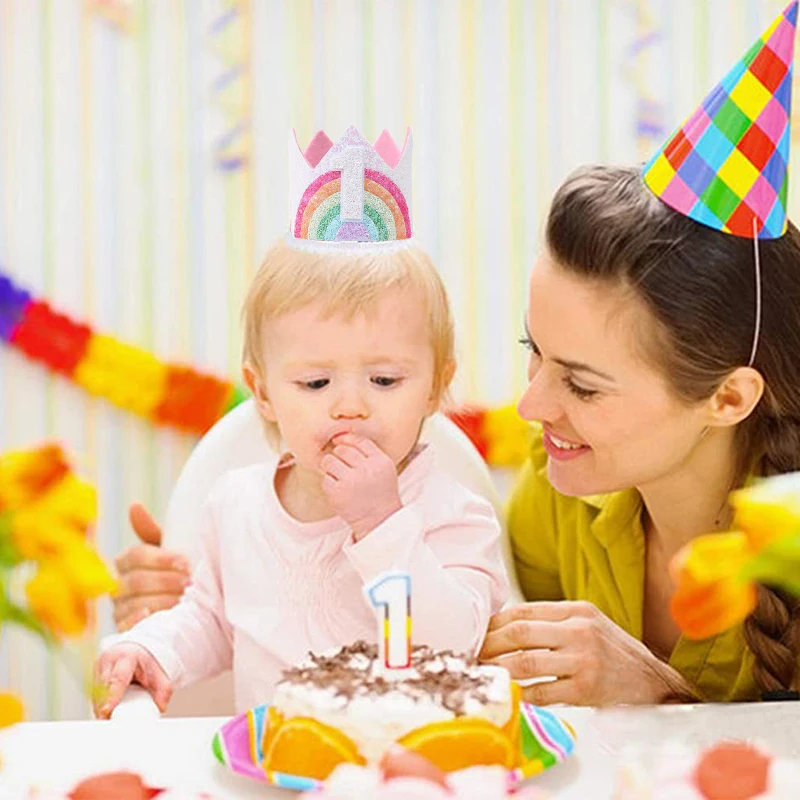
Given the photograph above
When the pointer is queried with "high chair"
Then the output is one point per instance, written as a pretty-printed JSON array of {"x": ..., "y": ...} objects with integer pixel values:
[{"x": 238, "y": 440}]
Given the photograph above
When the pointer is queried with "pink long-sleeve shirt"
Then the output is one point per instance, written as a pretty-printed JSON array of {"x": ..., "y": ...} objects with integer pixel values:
[{"x": 267, "y": 589}]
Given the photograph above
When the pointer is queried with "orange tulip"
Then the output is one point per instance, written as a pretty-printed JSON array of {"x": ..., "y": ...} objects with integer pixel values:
[
  {"x": 710, "y": 596},
  {"x": 717, "y": 574},
  {"x": 26, "y": 474}
]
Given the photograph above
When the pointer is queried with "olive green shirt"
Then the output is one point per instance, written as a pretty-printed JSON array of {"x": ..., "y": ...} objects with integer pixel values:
[{"x": 593, "y": 549}]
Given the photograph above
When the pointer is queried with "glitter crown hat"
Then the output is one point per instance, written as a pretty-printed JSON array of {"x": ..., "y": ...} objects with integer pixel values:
[
  {"x": 727, "y": 165},
  {"x": 350, "y": 194}
]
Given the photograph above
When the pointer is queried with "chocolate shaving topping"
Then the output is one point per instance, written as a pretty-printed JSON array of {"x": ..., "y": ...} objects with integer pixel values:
[{"x": 351, "y": 672}]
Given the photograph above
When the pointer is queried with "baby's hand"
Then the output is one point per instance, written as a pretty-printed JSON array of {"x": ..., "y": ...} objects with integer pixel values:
[
  {"x": 121, "y": 665},
  {"x": 360, "y": 483}
]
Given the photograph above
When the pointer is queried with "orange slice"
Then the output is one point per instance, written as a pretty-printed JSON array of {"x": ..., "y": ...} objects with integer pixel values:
[
  {"x": 512, "y": 727},
  {"x": 461, "y": 743},
  {"x": 303, "y": 746}
]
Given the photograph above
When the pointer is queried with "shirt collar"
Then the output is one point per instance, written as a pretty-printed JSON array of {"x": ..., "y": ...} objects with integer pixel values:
[{"x": 616, "y": 513}]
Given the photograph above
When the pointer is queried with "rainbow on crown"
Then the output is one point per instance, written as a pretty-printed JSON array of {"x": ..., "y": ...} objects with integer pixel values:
[{"x": 350, "y": 193}]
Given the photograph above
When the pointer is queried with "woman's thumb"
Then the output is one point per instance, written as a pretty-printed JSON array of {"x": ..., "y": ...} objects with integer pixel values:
[{"x": 144, "y": 526}]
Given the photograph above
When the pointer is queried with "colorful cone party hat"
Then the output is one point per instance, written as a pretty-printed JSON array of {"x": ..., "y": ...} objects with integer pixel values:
[{"x": 726, "y": 166}]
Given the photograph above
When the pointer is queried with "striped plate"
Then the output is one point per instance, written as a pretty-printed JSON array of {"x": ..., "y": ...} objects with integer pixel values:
[{"x": 546, "y": 741}]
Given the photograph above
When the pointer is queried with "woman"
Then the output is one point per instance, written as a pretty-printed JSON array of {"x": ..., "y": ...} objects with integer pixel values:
[{"x": 640, "y": 325}]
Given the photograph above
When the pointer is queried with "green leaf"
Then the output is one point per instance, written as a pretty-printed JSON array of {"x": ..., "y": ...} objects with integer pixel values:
[
  {"x": 778, "y": 564},
  {"x": 9, "y": 557},
  {"x": 25, "y": 619}
]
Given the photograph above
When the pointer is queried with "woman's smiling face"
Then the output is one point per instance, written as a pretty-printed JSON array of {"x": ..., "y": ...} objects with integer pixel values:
[{"x": 610, "y": 418}]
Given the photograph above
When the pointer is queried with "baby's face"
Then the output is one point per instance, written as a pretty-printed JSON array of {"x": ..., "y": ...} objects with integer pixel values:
[{"x": 372, "y": 375}]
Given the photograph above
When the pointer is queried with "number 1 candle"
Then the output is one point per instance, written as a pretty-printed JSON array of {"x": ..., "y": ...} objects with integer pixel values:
[{"x": 391, "y": 592}]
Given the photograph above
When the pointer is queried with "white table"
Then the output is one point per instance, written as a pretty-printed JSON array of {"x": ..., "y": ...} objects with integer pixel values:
[{"x": 177, "y": 752}]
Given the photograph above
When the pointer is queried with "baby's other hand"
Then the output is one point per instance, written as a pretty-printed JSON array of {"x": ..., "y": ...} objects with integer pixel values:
[
  {"x": 360, "y": 483},
  {"x": 119, "y": 667}
]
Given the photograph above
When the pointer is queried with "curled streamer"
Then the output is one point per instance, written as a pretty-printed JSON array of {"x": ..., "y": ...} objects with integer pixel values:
[
  {"x": 119, "y": 14},
  {"x": 649, "y": 123},
  {"x": 230, "y": 150}
]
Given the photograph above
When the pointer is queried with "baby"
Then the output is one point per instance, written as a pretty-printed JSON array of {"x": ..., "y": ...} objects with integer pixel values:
[{"x": 346, "y": 353}]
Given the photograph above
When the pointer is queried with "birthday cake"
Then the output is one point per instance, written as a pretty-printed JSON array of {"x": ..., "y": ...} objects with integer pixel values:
[{"x": 344, "y": 707}]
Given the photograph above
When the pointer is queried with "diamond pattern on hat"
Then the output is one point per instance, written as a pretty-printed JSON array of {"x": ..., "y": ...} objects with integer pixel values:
[{"x": 727, "y": 164}]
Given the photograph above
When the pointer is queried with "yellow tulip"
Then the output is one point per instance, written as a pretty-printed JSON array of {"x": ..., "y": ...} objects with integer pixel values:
[
  {"x": 768, "y": 510},
  {"x": 11, "y": 710},
  {"x": 54, "y": 601},
  {"x": 85, "y": 571},
  {"x": 42, "y": 538},
  {"x": 70, "y": 499}
]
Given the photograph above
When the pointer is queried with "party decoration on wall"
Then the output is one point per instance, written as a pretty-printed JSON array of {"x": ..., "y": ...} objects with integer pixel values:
[
  {"x": 229, "y": 41},
  {"x": 717, "y": 574},
  {"x": 179, "y": 396},
  {"x": 167, "y": 394},
  {"x": 120, "y": 14},
  {"x": 45, "y": 514},
  {"x": 727, "y": 165},
  {"x": 650, "y": 126},
  {"x": 500, "y": 435}
]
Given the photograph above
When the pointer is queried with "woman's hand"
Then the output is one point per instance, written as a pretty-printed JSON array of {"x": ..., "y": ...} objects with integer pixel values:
[
  {"x": 595, "y": 661},
  {"x": 150, "y": 579}
]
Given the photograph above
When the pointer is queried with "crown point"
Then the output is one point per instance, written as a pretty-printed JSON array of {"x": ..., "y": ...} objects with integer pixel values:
[
  {"x": 386, "y": 148},
  {"x": 317, "y": 148}
]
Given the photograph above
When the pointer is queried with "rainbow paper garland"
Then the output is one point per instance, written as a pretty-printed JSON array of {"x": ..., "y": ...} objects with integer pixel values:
[
  {"x": 167, "y": 394},
  {"x": 179, "y": 396}
]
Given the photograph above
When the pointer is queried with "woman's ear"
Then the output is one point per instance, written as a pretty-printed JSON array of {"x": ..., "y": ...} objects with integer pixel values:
[
  {"x": 736, "y": 397},
  {"x": 256, "y": 386}
]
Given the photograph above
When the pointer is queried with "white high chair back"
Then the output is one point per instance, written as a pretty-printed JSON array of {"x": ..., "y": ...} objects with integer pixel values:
[{"x": 238, "y": 440}]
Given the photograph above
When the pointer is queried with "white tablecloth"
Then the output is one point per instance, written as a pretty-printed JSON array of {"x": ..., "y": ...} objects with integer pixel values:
[{"x": 177, "y": 752}]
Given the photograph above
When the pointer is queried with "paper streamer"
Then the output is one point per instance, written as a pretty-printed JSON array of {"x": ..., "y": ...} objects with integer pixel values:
[
  {"x": 229, "y": 90},
  {"x": 120, "y": 14},
  {"x": 174, "y": 395},
  {"x": 650, "y": 128}
]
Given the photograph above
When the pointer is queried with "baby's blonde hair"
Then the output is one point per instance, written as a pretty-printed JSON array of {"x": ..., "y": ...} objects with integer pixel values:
[{"x": 348, "y": 284}]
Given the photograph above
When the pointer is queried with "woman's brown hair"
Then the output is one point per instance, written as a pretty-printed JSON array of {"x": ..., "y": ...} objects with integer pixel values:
[{"x": 699, "y": 285}]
